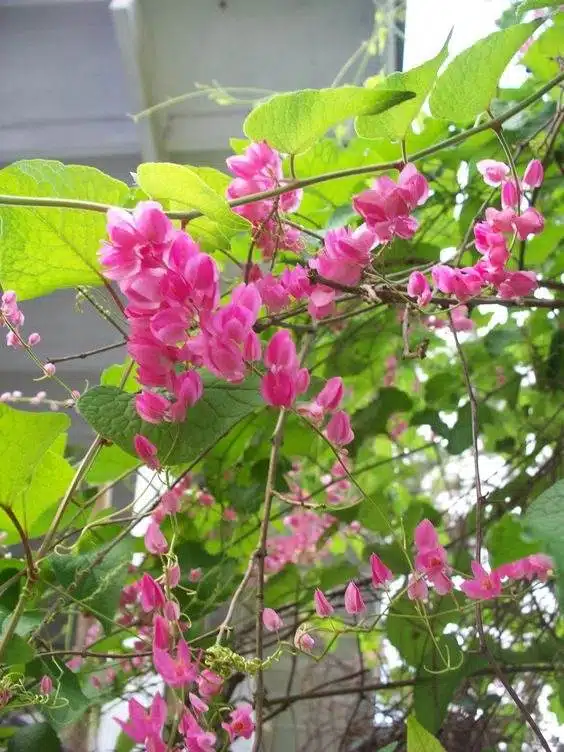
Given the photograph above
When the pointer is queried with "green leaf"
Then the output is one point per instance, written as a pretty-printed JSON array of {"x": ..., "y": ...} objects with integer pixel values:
[
  {"x": 373, "y": 419},
  {"x": 536, "y": 4},
  {"x": 24, "y": 439},
  {"x": 545, "y": 521},
  {"x": 501, "y": 337},
  {"x": 110, "y": 463},
  {"x": 46, "y": 485},
  {"x": 77, "y": 702},
  {"x": 294, "y": 121},
  {"x": 436, "y": 687},
  {"x": 96, "y": 584},
  {"x": 38, "y": 736},
  {"x": 543, "y": 55},
  {"x": 506, "y": 541},
  {"x": 394, "y": 124},
  {"x": 44, "y": 249},
  {"x": 111, "y": 413},
  {"x": 469, "y": 83},
  {"x": 420, "y": 740},
  {"x": 185, "y": 188},
  {"x": 555, "y": 361},
  {"x": 18, "y": 651},
  {"x": 282, "y": 587}
]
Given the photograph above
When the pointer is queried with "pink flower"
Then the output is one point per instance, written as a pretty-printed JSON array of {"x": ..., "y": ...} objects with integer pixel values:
[
  {"x": 353, "y": 599},
  {"x": 209, "y": 683},
  {"x": 417, "y": 588},
  {"x": 195, "y": 575},
  {"x": 386, "y": 206},
  {"x": 380, "y": 572},
  {"x": 197, "y": 740},
  {"x": 176, "y": 672},
  {"x": 173, "y": 576},
  {"x": 339, "y": 429},
  {"x": 280, "y": 353},
  {"x": 151, "y": 595},
  {"x": 49, "y": 369},
  {"x": 271, "y": 620},
  {"x": 460, "y": 320},
  {"x": 146, "y": 451},
  {"x": 33, "y": 339},
  {"x": 198, "y": 704},
  {"x": 330, "y": 397},
  {"x": 492, "y": 171},
  {"x": 418, "y": 287},
  {"x": 45, "y": 685},
  {"x": 322, "y": 606},
  {"x": 171, "y": 610},
  {"x": 155, "y": 542},
  {"x": 431, "y": 558},
  {"x": 143, "y": 724},
  {"x": 534, "y": 174},
  {"x": 161, "y": 634},
  {"x": 304, "y": 641},
  {"x": 484, "y": 585},
  {"x": 152, "y": 407},
  {"x": 510, "y": 194},
  {"x": 517, "y": 285},
  {"x": 241, "y": 723},
  {"x": 531, "y": 222}
]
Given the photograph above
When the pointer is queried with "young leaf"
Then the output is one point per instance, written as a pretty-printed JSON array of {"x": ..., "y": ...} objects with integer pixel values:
[
  {"x": 420, "y": 740},
  {"x": 294, "y": 121},
  {"x": 469, "y": 83},
  {"x": 111, "y": 412},
  {"x": 36, "y": 736},
  {"x": 543, "y": 55},
  {"x": 394, "y": 124},
  {"x": 24, "y": 439},
  {"x": 545, "y": 520},
  {"x": 44, "y": 249}
]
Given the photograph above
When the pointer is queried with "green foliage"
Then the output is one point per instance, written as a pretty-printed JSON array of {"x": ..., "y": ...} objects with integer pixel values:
[
  {"x": 44, "y": 249},
  {"x": 536, "y": 4},
  {"x": 95, "y": 578},
  {"x": 469, "y": 83},
  {"x": 294, "y": 121},
  {"x": 112, "y": 413},
  {"x": 38, "y": 736},
  {"x": 507, "y": 541},
  {"x": 542, "y": 57},
  {"x": 24, "y": 439},
  {"x": 394, "y": 123},
  {"x": 420, "y": 740}
]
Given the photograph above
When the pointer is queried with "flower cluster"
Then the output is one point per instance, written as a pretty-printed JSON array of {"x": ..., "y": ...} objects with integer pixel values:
[
  {"x": 151, "y": 604},
  {"x": 491, "y": 241},
  {"x": 257, "y": 170}
]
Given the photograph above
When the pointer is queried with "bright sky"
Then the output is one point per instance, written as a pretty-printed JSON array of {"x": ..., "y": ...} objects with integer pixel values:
[{"x": 428, "y": 23}]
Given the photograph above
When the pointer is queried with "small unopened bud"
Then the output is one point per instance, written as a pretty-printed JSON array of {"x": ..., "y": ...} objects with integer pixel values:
[
  {"x": 50, "y": 369},
  {"x": 45, "y": 685},
  {"x": 5, "y": 396},
  {"x": 33, "y": 339}
]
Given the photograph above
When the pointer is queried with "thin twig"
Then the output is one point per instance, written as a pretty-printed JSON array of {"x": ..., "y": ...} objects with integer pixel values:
[
  {"x": 480, "y": 501},
  {"x": 88, "y": 353},
  {"x": 260, "y": 555}
]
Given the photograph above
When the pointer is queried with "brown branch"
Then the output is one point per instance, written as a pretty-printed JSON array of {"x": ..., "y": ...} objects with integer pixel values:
[{"x": 88, "y": 353}]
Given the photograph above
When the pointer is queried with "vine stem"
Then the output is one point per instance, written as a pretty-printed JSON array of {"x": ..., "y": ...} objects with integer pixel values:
[
  {"x": 259, "y": 556},
  {"x": 480, "y": 499},
  {"x": 291, "y": 185}
]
